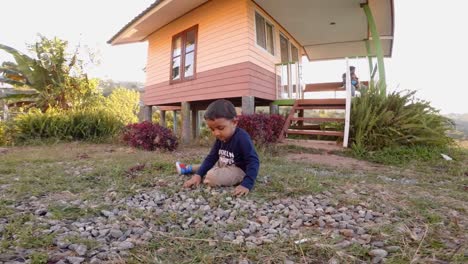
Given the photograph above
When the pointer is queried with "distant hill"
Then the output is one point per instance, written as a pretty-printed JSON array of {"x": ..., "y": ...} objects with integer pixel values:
[
  {"x": 461, "y": 123},
  {"x": 108, "y": 86}
]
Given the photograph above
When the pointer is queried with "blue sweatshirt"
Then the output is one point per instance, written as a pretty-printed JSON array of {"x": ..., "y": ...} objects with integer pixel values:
[{"x": 238, "y": 150}]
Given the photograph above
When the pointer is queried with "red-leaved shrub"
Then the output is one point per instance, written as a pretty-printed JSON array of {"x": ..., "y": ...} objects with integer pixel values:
[
  {"x": 262, "y": 128},
  {"x": 149, "y": 136}
]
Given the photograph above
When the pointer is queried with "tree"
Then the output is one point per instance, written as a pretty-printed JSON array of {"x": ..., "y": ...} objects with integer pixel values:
[
  {"x": 124, "y": 103},
  {"x": 56, "y": 75}
]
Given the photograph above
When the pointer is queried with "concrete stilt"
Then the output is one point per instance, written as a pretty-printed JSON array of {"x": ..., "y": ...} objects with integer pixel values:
[
  {"x": 175, "y": 122},
  {"x": 274, "y": 109},
  {"x": 195, "y": 123},
  {"x": 148, "y": 113},
  {"x": 186, "y": 135},
  {"x": 248, "y": 105},
  {"x": 162, "y": 118}
]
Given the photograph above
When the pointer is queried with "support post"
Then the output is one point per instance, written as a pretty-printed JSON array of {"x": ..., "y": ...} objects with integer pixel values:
[
  {"x": 148, "y": 113},
  {"x": 300, "y": 114},
  {"x": 348, "y": 106},
  {"x": 248, "y": 105},
  {"x": 186, "y": 123},
  {"x": 195, "y": 124},
  {"x": 371, "y": 64},
  {"x": 162, "y": 118},
  {"x": 175, "y": 122},
  {"x": 378, "y": 48},
  {"x": 274, "y": 109}
]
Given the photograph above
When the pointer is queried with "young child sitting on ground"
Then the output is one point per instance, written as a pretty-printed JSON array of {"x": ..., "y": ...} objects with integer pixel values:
[{"x": 232, "y": 159}]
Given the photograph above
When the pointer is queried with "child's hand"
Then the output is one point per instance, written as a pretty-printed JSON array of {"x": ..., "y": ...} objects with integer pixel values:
[
  {"x": 194, "y": 181},
  {"x": 240, "y": 191}
]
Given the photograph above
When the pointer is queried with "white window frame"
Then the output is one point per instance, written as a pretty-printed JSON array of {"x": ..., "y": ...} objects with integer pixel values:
[{"x": 267, "y": 22}]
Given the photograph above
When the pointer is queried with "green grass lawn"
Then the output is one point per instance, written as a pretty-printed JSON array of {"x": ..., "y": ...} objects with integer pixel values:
[{"x": 427, "y": 198}]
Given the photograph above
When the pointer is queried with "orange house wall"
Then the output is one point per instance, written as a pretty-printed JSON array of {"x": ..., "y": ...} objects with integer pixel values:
[{"x": 229, "y": 63}]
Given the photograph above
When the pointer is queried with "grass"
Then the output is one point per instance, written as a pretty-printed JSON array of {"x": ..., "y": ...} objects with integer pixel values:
[{"x": 74, "y": 180}]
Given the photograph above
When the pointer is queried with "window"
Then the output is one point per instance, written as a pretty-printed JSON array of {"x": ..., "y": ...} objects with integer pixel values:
[
  {"x": 289, "y": 52},
  {"x": 264, "y": 32},
  {"x": 183, "y": 56}
]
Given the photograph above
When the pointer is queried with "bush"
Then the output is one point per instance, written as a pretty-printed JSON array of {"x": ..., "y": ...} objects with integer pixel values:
[
  {"x": 149, "y": 136},
  {"x": 399, "y": 119},
  {"x": 124, "y": 103},
  {"x": 83, "y": 124},
  {"x": 3, "y": 134},
  {"x": 262, "y": 128},
  {"x": 404, "y": 154}
]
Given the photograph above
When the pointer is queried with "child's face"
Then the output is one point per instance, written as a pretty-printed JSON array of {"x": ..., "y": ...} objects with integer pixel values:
[{"x": 222, "y": 128}]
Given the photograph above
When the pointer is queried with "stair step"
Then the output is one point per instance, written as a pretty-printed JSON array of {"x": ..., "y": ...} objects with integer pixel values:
[
  {"x": 312, "y": 107},
  {"x": 330, "y": 101},
  {"x": 315, "y": 132},
  {"x": 318, "y": 119}
]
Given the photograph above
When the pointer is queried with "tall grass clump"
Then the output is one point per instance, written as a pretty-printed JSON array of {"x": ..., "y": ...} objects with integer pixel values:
[
  {"x": 399, "y": 119},
  {"x": 80, "y": 124}
]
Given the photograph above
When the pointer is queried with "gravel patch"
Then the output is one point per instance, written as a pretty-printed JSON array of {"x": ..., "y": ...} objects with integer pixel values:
[{"x": 241, "y": 221}]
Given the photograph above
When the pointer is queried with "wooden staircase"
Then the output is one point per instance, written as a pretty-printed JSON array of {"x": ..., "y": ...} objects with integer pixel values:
[{"x": 295, "y": 124}]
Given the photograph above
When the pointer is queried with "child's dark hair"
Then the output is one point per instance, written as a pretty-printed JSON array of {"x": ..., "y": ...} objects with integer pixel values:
[{"x": 220, "y": 109}]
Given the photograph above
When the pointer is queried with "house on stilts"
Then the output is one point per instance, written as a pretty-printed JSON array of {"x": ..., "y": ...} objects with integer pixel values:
[{"x": 249, "y": 52}]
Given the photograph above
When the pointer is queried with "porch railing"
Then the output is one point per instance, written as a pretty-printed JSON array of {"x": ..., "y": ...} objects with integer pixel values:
[{"x": 289, "y": 81}]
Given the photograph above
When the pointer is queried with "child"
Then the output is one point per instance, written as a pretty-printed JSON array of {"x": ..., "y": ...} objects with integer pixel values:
[
  {"x": 232, "y": 159},
  {"x": 354, "y": 80}
]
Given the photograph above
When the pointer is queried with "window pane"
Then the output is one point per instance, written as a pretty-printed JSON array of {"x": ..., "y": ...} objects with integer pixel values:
[
  {"x": 260, "y": 27},
  {"x": 294, "y": 53},
  {"x": 269, "y": 39},
  {"x": 189, "y": 64},
  {"x": 176, "y": 68},
  {"x": 177, "y": 45},
  {"x": 190, "y": 42},
  {"x": 284, "y": 43}
]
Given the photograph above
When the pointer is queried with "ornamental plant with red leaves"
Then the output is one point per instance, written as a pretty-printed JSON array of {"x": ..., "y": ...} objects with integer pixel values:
[
  {"x": 149, "y": 136},
  {"x": 262, "y": 128}
]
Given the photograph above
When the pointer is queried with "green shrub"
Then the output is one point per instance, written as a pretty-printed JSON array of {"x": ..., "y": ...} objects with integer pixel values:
[
  {"x": 83, "y": 124},
  {"x": 124, "y": 103},
  {"x": 3, "y": 135},
  {"x": 398, "y": 119},
  {"x": 404, "y": 154}
]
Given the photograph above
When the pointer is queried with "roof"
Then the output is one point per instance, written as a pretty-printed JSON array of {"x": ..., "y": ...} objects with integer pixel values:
[
  {"x": 326, "y": 29},
  {"x": 157, "y": 15},
  {"x": 333, "y": 29},
  {"x": 144, "y": 12}
]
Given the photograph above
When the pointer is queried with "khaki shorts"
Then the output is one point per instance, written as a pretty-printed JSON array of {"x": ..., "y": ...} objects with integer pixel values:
[{"x": 224, "y": 176}]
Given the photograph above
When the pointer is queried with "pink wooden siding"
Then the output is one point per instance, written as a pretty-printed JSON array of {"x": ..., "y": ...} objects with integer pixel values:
[{"x": 228, "y": 64}]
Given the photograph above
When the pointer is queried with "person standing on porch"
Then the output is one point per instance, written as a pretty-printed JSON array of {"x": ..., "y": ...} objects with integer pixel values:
[
  {"x": 232, "y": 159},
  {"x": 354, "y": 80}
]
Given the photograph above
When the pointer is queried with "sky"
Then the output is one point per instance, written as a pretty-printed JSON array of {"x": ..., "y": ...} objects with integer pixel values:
[{"x": 430, "y": 50}]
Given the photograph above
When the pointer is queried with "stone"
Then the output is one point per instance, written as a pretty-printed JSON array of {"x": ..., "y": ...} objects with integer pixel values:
[
  {"x": 297, "y": 224},
  {"x": 378, "y": 244},
  {"x": 95, "y": 260},
  {"x": 75, "y": 260},
  {"x": 347, "y": 232},
  {"x": 115, "y": 233},
  {"x": 125, "y": 245},
  {"x": 107, "y": 213},
  {"x": 393, "y": 249},
  {"x": 378, "y": 253},
  {"x": 262, "y": 219},
  {"x": 343, "y": 244}
]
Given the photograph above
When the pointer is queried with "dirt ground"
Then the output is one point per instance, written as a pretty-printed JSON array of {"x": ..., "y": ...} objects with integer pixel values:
[{"x": 334, "y": 161}]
